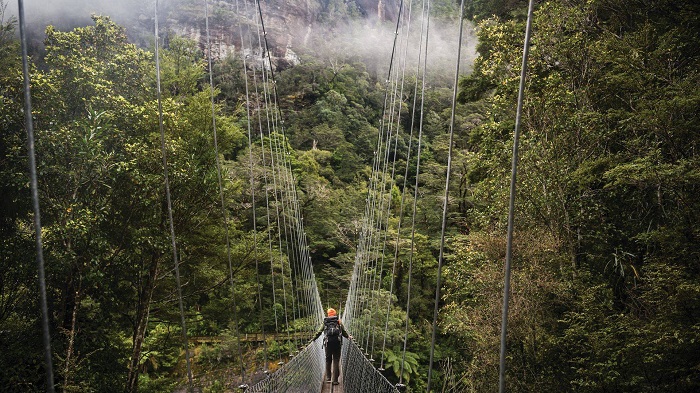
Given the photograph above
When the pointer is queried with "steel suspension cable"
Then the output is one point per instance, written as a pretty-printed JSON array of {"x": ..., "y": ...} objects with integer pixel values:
[
  {"x": 278, "y": 116},
  {"x": 511, "y": 204},
  {"x": 369, "y": 269},
  {"x": 282, "y": 209},
  {"x": 262, "y": 139},
  {"x": 395, "y": 109},
  {"x": 383, "y": 201},
  {"x": 393, "y": 171},
  {"x": 252, "y": 183},
  {"x": 290, "y": 203},
  {"x": 34, "y": 183},
  {"x": 288, "y": 235},
  {"x": 169, "y": 205},
  {"x": 366, "y": 253},
  {"x": 367, "y": 235},
  {"x": 266, "y": 184},
  {"x": 379, "y": 274},
  {"x": 441, "y": 257},
  {"x": 349, "y": 313},
  {"x": 368, "y": 238},
  {"x": 404, "y": 189},
  {"x": 415, "y": 191},
  {"x": 353, "y": 300},
  {"x": 384, "y": 206},
  {"x": 270, "y": 230},
  {"x": 317, "y": 314},
  {"x": 267, "y": 208},
  {"x": 281, "y": 224},
  {"x": 274, "y": 170},
  {"x": 295, "y": 223},
  {"x": 224, "y": 211},
  {"x": 287, "y": 204}
]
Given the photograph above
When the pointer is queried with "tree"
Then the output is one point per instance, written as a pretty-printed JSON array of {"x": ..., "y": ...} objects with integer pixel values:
[{"x": 599, "y": 180}]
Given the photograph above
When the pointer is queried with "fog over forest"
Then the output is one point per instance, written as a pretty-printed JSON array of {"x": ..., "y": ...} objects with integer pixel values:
[
  {"x": 71, "y": 13},
  {"x": 367, "y": 38}
]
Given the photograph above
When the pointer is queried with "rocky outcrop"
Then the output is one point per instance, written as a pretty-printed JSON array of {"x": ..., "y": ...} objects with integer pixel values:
[{"x": 292, "y": 27}]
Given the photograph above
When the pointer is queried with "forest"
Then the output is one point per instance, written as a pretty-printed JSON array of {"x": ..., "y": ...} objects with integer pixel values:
[{"x": 605, "y": 292}]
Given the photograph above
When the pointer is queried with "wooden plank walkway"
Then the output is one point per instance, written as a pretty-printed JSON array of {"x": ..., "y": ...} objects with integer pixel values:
[{"x": 330, "y": 388}]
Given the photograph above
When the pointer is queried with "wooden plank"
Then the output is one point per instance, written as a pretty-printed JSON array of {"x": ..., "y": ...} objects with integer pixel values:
[{"x": 330, "y": 388}]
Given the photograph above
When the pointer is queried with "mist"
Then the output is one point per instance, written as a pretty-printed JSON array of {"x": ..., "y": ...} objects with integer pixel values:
[
  {"x": 368, "y": 40},
  {"x": 65, "y": 14},
  {"x": 372, "y": 42}
]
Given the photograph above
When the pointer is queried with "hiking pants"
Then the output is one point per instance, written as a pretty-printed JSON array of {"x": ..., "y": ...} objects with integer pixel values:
[{"x": 332, "y": 357}]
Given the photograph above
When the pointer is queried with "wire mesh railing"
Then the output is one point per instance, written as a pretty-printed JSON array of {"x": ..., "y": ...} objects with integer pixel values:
[
  {"x": 303, "y": 373},
  {"x": 359, "y": 374}
]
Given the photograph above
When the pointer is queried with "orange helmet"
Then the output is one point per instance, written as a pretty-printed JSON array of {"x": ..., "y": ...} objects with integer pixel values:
[{"x": 331, "y": 312}]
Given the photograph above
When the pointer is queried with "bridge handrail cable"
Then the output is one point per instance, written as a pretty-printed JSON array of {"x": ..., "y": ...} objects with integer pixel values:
[
  {"x": 300, "y": 374},
  {"x": 359, "y": 374}
]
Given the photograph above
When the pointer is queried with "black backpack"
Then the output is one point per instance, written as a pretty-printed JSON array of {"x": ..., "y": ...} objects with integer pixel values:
[{"x": 332, "y": 330}]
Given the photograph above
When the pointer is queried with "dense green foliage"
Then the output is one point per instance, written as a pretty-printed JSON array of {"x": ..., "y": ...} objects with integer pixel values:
[
  {"x": 98, "y": 146},
  {"x": 606, "y": 279}
]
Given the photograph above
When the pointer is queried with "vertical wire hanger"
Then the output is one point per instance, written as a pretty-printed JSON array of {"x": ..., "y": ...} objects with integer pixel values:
[
  {"x": 224, "y": 211},
  {"x": 511, "y": 206},
  {"x": 170, "y": 208},
  {"x": 29, "y": 124},
  {"x": 446, "y": 196}
]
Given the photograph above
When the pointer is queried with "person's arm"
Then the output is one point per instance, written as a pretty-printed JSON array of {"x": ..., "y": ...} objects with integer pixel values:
[{"x": 343, "y": 331}]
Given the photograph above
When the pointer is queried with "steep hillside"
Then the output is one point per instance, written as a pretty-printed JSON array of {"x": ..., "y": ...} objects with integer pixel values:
[{"x": 293, "y": 27}]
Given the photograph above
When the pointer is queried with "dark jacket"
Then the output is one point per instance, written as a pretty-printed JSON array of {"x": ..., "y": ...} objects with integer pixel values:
[{"x": 343, "y": 332}]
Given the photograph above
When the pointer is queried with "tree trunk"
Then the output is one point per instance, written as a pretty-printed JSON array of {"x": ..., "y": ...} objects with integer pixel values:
[
  {"x": 140, "y": 325},
  {"x": 68, "y": 369}
]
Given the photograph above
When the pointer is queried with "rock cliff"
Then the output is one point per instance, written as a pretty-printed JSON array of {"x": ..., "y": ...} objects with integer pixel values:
[
  {"x": 328, "y": 30},
  {"x": 292, "y": 26}
]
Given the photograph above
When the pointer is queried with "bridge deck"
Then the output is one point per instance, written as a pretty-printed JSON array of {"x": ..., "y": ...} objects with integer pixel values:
[{"x": 330, "y": 388}]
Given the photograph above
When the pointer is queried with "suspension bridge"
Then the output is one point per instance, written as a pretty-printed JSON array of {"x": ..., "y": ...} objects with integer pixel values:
[{"x": 365, "y": 313}]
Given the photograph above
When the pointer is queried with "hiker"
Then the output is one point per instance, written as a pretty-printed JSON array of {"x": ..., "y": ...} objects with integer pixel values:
[{"x": 333, "y": 340}]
